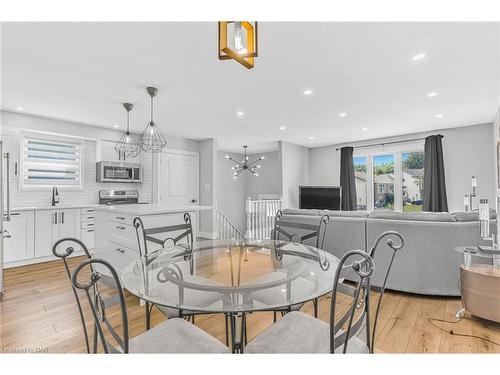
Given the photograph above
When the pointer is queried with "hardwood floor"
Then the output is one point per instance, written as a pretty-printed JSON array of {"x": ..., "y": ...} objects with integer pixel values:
[{"x": 38, "y": 313}]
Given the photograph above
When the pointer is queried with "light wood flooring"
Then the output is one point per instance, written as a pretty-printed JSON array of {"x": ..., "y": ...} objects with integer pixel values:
[{"x": 38, "y": 312}]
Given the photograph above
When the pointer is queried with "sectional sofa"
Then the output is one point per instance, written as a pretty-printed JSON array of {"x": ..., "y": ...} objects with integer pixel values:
[{"x": 428, "y": 263}]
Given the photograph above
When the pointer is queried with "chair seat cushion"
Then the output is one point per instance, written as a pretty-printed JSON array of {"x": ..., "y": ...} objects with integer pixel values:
[
  {"x": 176, "y": 336},
  {"x": 297, "y": 332}
]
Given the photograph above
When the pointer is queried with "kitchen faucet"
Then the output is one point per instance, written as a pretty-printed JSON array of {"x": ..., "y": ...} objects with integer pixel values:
[{"x": 55, "y": 196}]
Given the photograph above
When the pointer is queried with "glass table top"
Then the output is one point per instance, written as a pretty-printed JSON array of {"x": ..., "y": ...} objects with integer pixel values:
[{"x": 232, "y": 275}]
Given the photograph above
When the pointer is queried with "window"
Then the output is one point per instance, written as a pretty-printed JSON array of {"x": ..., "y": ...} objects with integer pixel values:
[
  {"x": 360, "y": 180},
  {"x": 383, "y": 179},
  {"x": 395, "y": 178},
  {"x": 51, "y": 161},
  {"x": 413, "y": 180}
]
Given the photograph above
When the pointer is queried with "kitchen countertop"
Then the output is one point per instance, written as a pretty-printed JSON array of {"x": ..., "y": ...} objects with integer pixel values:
[
  {"x": 150, "y": 209},
  {"x": 59, "y": 207}
]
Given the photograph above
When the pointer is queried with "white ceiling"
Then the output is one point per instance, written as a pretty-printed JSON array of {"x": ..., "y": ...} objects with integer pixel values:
[{"x": 84, "y": 71}]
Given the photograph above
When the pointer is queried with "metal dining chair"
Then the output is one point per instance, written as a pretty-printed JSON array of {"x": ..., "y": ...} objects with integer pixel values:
[
  {"x": 172, "y": 336},
  {"x": 297, "y": 332},
  {"x": 298, "y": 232},
  {"x": 62, "y": 249},
  {"x": 163, "y": 236}
]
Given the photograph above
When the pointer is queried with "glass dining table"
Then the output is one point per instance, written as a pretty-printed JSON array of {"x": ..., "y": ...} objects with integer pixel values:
[{"x": 233, "y": 277}]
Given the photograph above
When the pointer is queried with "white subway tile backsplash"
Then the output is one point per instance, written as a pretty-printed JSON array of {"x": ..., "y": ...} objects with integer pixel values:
[{"x": 90, "y": 192}]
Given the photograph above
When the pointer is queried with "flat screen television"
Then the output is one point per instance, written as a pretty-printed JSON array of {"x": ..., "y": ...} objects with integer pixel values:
[{"x": 320, "y": 197}]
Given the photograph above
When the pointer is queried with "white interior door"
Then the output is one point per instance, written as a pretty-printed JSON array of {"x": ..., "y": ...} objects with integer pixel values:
[{"x": 178, "y": 178}]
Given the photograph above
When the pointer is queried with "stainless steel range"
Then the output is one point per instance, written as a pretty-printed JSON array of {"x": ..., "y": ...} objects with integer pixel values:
[{"x": 111, "y": 197}]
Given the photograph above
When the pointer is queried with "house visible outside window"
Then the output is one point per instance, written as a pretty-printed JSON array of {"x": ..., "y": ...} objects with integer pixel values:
[
  {"x": 48, "y": 161},
  {"x": 395, "y": 178}
]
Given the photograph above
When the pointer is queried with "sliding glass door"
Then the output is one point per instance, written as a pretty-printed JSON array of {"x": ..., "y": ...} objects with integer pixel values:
[{"x": 390, "y": 179}]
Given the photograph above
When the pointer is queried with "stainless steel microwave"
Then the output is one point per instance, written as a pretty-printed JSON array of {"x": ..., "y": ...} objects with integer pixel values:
[{"x": 111, "y": 171}]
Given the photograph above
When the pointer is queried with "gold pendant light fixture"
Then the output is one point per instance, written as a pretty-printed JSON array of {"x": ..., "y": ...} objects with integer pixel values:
[
  {"x": 152, "y": 140},
  {"x": 238, "y": 41},
  {"x": 126, "y": 146}
]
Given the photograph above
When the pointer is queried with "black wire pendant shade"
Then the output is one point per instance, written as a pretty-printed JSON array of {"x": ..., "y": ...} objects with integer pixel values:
[
  {"x": 245, "y": 165},
  {"x": 126, "y": 146},
  {"x": 151, "y": 139}
]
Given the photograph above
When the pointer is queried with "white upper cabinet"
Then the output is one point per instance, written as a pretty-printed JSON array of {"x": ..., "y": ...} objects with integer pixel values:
[{"x": 105, "y": 151}]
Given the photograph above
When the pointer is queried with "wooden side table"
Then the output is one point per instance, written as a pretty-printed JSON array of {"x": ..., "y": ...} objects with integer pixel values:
[{"x": 480, "y": 289}]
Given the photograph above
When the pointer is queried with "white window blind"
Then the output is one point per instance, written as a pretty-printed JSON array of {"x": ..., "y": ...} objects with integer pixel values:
[{"x": 51, "y": 162}]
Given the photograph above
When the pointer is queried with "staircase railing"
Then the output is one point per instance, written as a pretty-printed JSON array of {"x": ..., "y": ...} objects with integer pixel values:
[
  {"x": 261, "y": 215},
  {"x": 225, "y": 228}
]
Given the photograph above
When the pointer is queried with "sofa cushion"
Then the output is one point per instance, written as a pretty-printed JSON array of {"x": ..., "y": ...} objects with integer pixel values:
[
  {"x": 413, "y": 216},
  {"x": 332, "y": 213},
  {"x": 471, "y": 216},
  {"x": 300, "y": 211}
]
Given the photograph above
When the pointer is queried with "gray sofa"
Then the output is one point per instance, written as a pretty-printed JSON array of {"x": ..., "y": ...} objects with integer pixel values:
[{"x": 428, "y": 264}]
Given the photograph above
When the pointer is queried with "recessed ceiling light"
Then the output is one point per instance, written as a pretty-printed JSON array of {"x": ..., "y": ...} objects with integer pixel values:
[
  {"x": 431, "y": 94},
  {"x": 308, "y": 92},
  {"x": 419, "y": 56},
  {"x": 240, "y": 113},
  {"x": 365, "y": 129},
  {"x": 20, "y": 108},
  {"x": 311, "y": 138},
  {"x": 439, "y": 115},
  {"x": 283, "y": 127},
  {"x": 343, "y": 114},
  {"x": 115, "y": 125}
]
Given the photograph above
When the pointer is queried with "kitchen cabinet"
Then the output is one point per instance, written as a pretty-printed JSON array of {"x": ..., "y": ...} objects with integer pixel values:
[
  {"x": 20, "y": 246},
  {"x": 52, "y": 225},
  {"x": 87, "y": 228},
  {"x": 11, "y": 146},
  {"x": 106, "y": 152}
]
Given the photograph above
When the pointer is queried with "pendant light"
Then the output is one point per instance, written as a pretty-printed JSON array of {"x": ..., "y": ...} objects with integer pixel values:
[
  {"x": 238, "y": 41},
  {"x": 126, "y": 146},
  {"x": 151, "y": 139},
  {"x": 245, "y": 165}
]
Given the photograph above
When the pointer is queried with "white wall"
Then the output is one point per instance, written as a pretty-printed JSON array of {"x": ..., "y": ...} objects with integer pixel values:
[
  {"x": 295, "y": 164},
  {"x": 12, "y": 123},
  {"x": 208, "y": 171},
  {"x": 467, "y": 152},
  {"x": 231, "y": 193}
]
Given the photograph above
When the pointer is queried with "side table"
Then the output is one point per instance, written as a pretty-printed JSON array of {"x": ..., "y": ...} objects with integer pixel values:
[{"x": 480, "y": 284}]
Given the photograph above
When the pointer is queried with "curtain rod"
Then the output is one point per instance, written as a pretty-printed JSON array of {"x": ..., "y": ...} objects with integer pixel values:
[{"x": 391, "y": 143}]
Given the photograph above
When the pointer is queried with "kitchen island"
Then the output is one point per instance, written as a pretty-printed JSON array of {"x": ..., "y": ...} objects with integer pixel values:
[{"x": 115, "y": 235}]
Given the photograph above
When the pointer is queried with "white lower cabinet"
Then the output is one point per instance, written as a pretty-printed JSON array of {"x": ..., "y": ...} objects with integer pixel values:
[
  {"x": 20, "y": 246},
  {"x": 52, "y": 225},
  {"x": 87, "y": 227}
]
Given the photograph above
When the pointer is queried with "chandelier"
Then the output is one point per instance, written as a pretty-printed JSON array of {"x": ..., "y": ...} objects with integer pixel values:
[
  {"x": 245, "y": 165},
  {"x": 238, "y": 41},
  {"x": 126, "y": 146},
  {"x": 151, "y": 139}
]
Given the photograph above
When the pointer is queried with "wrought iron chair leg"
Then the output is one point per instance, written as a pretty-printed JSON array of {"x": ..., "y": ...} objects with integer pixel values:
[
  {"x": 274, "y": 320},
  {"x": 148, "y": 316},
  {"x": 315, "y": 305},
  {"x": 227, "y": 329},
  {"x": 95, "y": 340},
  {"x": 192, "y": 317}
]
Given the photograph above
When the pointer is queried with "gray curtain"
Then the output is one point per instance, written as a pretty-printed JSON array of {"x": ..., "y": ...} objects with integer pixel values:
[
  {"x": 435, "y": 199},
  {"x": 347, "y": 182}
]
